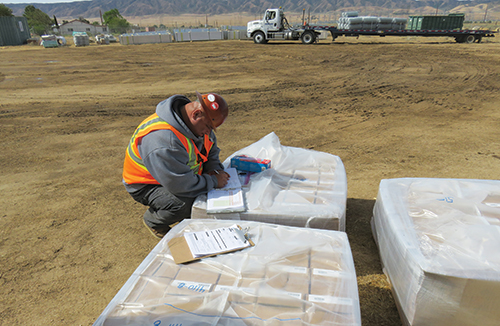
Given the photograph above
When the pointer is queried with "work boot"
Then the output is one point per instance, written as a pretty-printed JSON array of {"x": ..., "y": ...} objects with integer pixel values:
[{"x": 158, "y": 233}]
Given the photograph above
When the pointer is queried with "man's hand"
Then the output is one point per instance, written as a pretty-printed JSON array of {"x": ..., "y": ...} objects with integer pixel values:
[{"x": 221, "y": 176}]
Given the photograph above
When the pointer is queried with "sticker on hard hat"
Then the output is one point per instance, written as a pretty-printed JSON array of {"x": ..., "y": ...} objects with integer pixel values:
[
  {"x": 211, "y": 97},
  {"x": 214, "y": 106}
]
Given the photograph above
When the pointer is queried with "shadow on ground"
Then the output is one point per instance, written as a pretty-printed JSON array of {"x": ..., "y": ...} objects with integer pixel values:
[{"x": 376, "y": 300}]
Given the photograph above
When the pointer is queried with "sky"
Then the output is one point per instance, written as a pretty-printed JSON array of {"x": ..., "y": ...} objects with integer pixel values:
[{"x": 6, "y": 2}]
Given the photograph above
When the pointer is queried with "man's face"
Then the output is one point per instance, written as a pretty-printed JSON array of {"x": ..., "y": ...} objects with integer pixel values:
[{"x": 202, "y": 124}]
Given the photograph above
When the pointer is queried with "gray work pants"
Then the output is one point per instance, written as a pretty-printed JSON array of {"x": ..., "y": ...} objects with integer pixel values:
[{"x": 165, "y": 208}]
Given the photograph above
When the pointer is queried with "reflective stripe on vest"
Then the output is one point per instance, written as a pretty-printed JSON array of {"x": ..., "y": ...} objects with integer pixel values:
[{"x": 134, "y": 170}]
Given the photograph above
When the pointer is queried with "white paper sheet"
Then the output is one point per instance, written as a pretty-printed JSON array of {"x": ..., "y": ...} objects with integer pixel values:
[
  {"x": 225, "y": 201},
  {"x": 229, "y": 198},
  {"x": 216, "y": 241},
  {"x": 234, "y": 180}
]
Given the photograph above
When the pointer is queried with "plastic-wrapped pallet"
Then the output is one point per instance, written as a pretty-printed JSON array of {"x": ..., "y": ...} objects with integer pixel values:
[
  {"x": 439, "y": 241},
  {"x": 81, "y": 39},
  {"x": 308, "y": 278},
  {"x": 303, "y": 188}
]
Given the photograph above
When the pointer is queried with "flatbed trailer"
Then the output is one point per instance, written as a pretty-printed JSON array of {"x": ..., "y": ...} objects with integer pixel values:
[
  {"x": 274, "y": 26},
  {"x": 461, "y": 36}
]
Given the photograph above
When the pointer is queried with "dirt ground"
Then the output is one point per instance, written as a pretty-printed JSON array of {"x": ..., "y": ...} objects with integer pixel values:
[{"x": 70, "y": 235}]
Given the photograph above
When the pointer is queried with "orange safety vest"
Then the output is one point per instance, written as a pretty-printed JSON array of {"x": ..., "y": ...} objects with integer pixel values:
[{"x": 134, "y": 170}]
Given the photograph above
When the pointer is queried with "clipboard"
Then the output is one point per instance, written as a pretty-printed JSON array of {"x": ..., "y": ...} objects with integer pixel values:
[{"x": 182, "y": 252}]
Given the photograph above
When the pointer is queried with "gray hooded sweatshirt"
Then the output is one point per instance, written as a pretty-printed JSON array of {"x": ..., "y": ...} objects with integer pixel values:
[{"x": 166, "y": 158}]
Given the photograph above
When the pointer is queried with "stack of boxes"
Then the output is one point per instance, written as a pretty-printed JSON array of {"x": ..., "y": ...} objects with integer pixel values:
[
  {"x": 439, "y": 241},
  {"x": 296, "y": 187},
  {"x": 306, "y": 282},
  {"x": 81, "y": 39}
]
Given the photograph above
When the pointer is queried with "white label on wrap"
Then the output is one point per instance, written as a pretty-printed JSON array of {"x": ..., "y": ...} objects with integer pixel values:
[
  {"x": 230, "y": 288},
  {"x": 295, "y": 294},
  {"x": 330, "y": 300},
  {"x": 292, "y": 269},
  {"x": 298, "y": 270},
  {"x": 329, "y": 273}
]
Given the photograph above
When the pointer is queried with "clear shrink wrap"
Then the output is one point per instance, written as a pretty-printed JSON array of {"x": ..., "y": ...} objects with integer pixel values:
[
  {"x": 439, "y": 243},
  {"x": 291, "y": 276},
  {"x": 303, "y": 188}
]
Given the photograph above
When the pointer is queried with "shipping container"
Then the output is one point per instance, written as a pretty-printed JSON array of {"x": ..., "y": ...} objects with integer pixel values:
[
  {"x": 452, "y": 21},
  {"x": 13, "y": 30}
]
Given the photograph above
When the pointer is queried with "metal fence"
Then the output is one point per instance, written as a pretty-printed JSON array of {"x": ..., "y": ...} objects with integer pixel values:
[{"x": 182, "y": 35}]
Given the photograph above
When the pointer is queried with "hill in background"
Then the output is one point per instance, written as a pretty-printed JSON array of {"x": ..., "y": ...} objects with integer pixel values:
[{"x": 143, "y": 12}]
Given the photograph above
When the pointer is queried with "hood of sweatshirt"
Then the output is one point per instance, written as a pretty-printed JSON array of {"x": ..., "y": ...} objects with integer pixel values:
[{"x": 169, "y": 110}]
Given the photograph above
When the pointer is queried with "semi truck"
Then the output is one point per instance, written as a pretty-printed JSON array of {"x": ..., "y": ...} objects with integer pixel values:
[{"x": 275, "y": 26}]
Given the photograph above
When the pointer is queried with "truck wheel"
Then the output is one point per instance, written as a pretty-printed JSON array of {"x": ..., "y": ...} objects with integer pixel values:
[
  {"x": 470, "y": 38},
  {"x": 460, "y": 39},
  {"x": 308, "y": 37},
  {"x": 259, "y": 38}
]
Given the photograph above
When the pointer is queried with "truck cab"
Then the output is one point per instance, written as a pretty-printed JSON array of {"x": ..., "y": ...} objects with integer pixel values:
[
  {"x": 275, "y": 26},
  {"x": 271, "y": 22}
]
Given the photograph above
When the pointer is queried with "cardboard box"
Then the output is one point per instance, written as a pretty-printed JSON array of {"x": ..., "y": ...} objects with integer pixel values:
[
  {"x": 326, "y": 260},
  {"x": 200, "y": 272},
  {"x": 248, "y": 282},
  {"x": 192, "y": 280},
  {"x": 239, "y": 295},
  {"x": 153, "y": 293},
  {"x": 241, "y": 312},
  {"x": 321, "y": 315},
  {"x": 298, "y": 283},
  {"x": 277, "y": 315},
  {"x": 162, "y": 267},
  {"x": 228, "y": 279},
  {"x": 297, "y": 260},
  {"x": 277, "y": 278},
  {"x": 329, "y": 282},
  {"x": 272, "y": 297},
  {"x": 292, "y": 279},
  {"x": 169, "y": 314}
]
